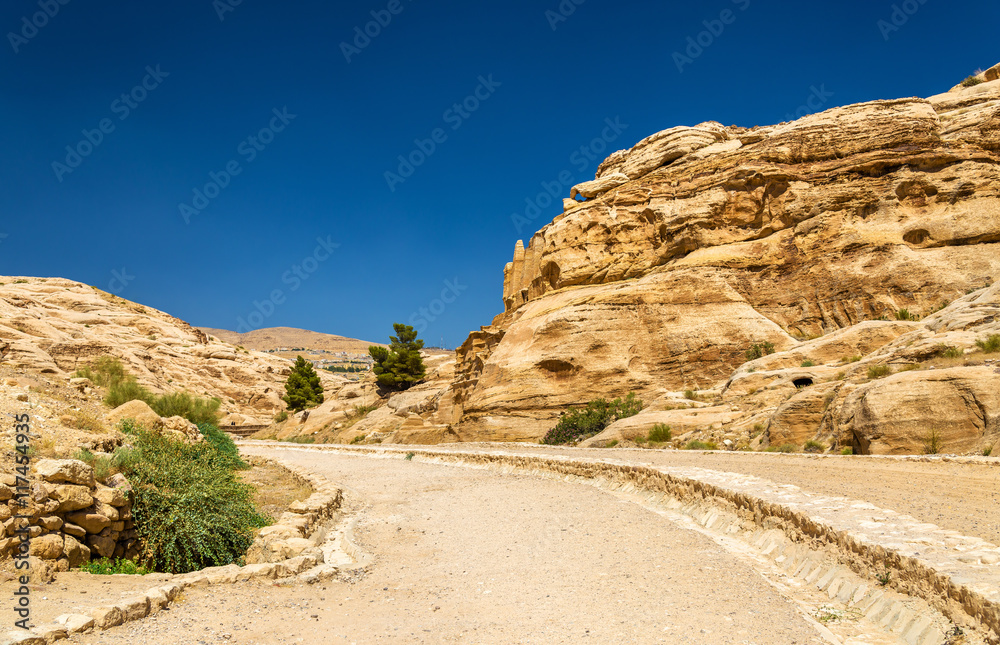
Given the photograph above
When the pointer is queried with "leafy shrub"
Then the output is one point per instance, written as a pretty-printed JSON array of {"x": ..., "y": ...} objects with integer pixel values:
[
  {"x": 181, "y": 404},
  {"x": 808, "y": 363},
  {"x": 105, "y": 371},
  {"x": 281, "y": 416},
  {"x": 759, "y": 350},
  {"x": 700, "y": 445},
  {"x": 787, "y": 447},
  {"x": 905, "y": 314},
  {"x": 361, "y": 410},
  {"x": 103, "y": 466},
  {"x": 879, "y": 371},
  {"x": 106, "y": 567},
  {"x": 987, "y": 451},
  {"x": 952, "y": 352},
  {"x": 409, "y": 456},
  {"x": 813, "y": 446},
  {"x": 847, "y": 451},
  {"x": 690, "y": 395},
  {"x": 932, "y": 442},
  {"x": 851, "y": 359},
  {"x": 660, "y": 433},
  {"x": 580, "y": 424},
  {"x": 190, "y": 508},
  {"x": 224, "y": 444},
  {"x": 304, "y": 439},
  {"x": 358, "y": 439},
  {"x": 614, "y": 442},
  {"x": 128, "y": 389},
  {"x": 990, "y": 345},
  {"x": 82, "y": 420},
  {"x": 399, "y": 366},
  {"x": 972, "y": 81}
]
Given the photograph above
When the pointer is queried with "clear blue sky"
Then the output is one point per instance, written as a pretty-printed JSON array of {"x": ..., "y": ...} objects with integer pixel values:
[{"x": 319, "y": 171}]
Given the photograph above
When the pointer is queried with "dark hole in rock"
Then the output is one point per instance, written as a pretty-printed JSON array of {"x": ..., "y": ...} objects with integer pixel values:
[{"x": 802, "y": 382}]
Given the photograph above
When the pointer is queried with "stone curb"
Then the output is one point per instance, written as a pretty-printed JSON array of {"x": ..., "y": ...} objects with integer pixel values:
[
  {"x": 319, "y": 507},
  {"x": 957, "y": 575}
]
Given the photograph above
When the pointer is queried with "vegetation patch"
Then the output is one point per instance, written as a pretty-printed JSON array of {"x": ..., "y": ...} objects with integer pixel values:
[
  {"x": 106, "y": 567},
  {"x": 303, "y": 388},
  {"x": 879, "y": 371},
  {"x": 759, "y": 350},
  {"x": 660, "y": 433},
  {"x": 813, "y": 446},
  {"x": 577, "y": 425},
  {"x": 972, "y": 81},
  {"x": 990, "y": 344},
  {"x": 694, "y": 444},
  {"x": 786, "y": 448},
  {"x": 190, "y": 508}
]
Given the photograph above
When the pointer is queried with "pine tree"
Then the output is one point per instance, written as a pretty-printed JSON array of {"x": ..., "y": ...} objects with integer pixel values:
[
  {"x": 303, "y": 387},
  {"x": 400, "y": 366}
]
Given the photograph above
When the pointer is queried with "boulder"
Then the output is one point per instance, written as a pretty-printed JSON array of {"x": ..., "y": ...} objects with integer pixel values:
[
  {"x": 74, "y": 530},
  {"x": 91, "y": 522},
  {"x": 72, "y": 498},
  {"x": 70, "y": 471},
  {"x": 139, "y": 411},
  {"x": 47, "y": 547},
  {"x": 75, "y": 552},
  {"x": 111, "y": 496},
  {"x": 591, "y": 189},
  {"x": 102, "y": 546}
]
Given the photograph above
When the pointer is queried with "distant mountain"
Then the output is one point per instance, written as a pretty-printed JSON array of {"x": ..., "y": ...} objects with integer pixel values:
[{"x": 263, "y": 340}]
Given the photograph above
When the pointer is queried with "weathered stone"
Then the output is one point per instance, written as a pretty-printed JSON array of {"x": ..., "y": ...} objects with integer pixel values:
[
  {"x": 75, "y": 552},
  {"x": 75, "y": 623},
  {"x": 51, "y": 523},
  {"x": 70, "y": 471},
  {"x": 72, "y": 498},
  {"x": 47, "y": 547},
  {"x": 102, "y": 546},
  {"x": 106, "y": 617},
  {"x": 74, "y": 530},
  {"x": 106, "y": 510},
  {"x": 138, "y": 411},
  {"x": 91, "y": 522},
  {"x": 111, "y": 496}
]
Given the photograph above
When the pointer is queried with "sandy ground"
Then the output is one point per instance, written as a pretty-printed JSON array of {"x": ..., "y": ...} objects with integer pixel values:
[{"x": 470, "y": 556}]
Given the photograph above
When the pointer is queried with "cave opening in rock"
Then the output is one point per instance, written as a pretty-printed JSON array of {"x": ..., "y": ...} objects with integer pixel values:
[{"x": 802, "y": 382}]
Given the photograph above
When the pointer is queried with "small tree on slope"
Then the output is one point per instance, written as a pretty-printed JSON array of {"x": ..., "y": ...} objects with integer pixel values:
[
  {"x": 400, "y": 366},
  {"x": 303, "y": 387}
]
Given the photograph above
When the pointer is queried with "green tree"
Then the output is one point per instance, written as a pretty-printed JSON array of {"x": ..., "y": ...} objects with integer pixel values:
[
  {"x": 303, "y": 387},
  {"x": 400, "y": 366}
]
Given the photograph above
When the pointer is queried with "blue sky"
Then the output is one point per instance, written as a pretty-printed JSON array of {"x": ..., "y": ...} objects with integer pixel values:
[{"x": 117, "y": 117}]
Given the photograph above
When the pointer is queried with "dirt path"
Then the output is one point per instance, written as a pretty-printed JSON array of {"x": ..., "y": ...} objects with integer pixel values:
[
  {"x": 962, "y": 497},
  {"x": 471, "y": 556}
]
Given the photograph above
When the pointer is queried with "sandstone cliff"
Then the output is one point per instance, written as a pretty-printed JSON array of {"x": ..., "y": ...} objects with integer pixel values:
[{"x": 698, "y": 242}]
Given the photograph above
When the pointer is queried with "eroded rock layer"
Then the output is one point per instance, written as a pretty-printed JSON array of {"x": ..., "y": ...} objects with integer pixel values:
[{"x": 699, "y": 242}]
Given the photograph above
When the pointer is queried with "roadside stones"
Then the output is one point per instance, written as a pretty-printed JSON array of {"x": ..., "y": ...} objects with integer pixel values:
[{"x": 70, "y": 471}]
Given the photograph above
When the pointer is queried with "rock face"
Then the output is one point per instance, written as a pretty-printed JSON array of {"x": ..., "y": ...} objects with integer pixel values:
[
  {"x": 54, "y": 326},
  {"x": 699, "y": 242}
]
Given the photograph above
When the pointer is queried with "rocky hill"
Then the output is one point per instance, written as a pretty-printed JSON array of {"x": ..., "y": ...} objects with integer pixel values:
[
  {"x": 52, "y": 327},
  {"x": 863, "y": 236},
  {"x": 272, "y": 338}
]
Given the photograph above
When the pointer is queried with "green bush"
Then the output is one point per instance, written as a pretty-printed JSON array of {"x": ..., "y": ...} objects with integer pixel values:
[
  {"x": 303, "y": 388},
  {"x": 989, "y": 345},
  {"x": 879, "y": 371},
  {"x": 103, "y": 466},
  {"x": 106, "y": 567},
  {"x": 972, "y": 81},
  {"x": 358, "y": 439},
  {"x": 580, "y": 424},
  {"x": 808, "y": 363},
  {"x": 182, "y": 404},
  {"x": 105, "y": 371},
  {"x": 759, "y": 350},
  {"x": 847, "y": 451},
  {"x": 813, "y": 446},
  {"x": 700, "y": 445},
  {"x": 128, "y": 389},
  {"x": 190, "y": 508},
  {"x": 224, "y": 444},
  {"x": 614, "y": 442},
  {"x": 303, "y": 439},
  {"x": 660, "y": 433},
  {"x": 281, "y": 416},
  {"x": 905, "y": 314},
  {"x": 787, "y": 447},
  {"x": 361, "y": 410},
  {"x": 952, "y": 352}
]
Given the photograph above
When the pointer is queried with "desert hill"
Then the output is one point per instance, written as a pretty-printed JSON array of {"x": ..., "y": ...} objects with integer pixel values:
[
  {"x": 264, "y": 340},
  {"x": 53, "y": 327}
]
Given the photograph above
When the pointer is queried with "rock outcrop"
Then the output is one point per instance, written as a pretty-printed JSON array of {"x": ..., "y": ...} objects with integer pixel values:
[{"x": 699, "y": 242}]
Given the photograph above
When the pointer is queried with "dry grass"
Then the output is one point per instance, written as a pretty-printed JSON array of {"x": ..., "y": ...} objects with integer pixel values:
[
  {"x": 275, "y": 488},
  {"x": 82, "y": 420}
]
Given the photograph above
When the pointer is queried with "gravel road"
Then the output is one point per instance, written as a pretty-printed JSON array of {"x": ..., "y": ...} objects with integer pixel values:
[{"x": 473, "y": 556}]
